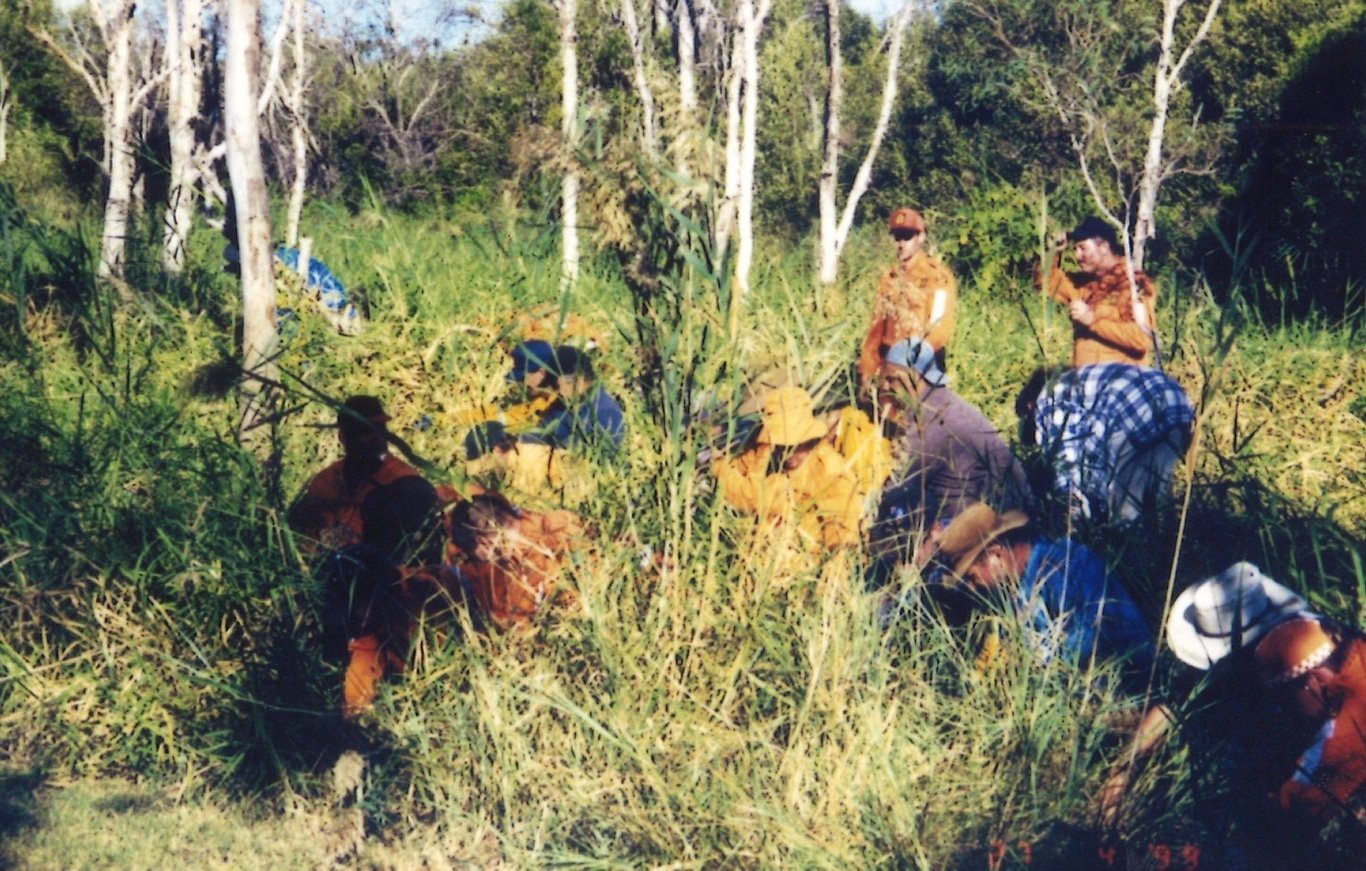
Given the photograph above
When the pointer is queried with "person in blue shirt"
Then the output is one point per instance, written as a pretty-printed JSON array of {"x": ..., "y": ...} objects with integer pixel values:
[
  {"x": 589, "y": 418},
  {"x": 1070, "y": 605}
]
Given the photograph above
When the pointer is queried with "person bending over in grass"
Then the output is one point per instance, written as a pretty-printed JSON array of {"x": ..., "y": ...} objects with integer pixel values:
[
  {"x": 1110, "y": 434},
  {"x": 512, "y": 558},
  {"x": 790, "y": 474},
  {"x": 947, "y": 456},
  {"x": 1112, "y": 305},
  {"x": 1283, "y": 694},
  {"x": 1069, "y": 605},
  {"x": 374, "y": 515},
  {"x": 588, "y": 419}
]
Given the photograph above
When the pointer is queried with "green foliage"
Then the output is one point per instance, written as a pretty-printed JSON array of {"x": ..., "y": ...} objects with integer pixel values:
[{"x": 723, "y": 706}]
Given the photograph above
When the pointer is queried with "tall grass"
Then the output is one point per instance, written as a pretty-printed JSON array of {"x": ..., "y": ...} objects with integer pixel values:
[{"x": 722, "y": 706}]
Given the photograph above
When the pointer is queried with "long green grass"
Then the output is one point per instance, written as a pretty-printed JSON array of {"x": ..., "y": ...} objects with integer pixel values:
[{"x": 718, "y": 708}]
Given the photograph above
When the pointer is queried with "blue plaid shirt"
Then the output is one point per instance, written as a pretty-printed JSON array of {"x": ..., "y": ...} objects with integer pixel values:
[{"x": 1081, "y": 413}]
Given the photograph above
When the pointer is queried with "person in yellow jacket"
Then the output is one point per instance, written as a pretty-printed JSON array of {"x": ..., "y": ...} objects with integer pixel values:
[
  {"x": 525, "y": 465},
  {"x": 917, "y": 298},
  {"x": 793, "y": 474}
]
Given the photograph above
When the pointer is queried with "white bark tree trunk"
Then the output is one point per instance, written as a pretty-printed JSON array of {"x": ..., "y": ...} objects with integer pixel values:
[
  {"x": 6, "y": 104},
  {"x": 751, "y": 22},
  {"x": 827, "y": 258},
  {"x": 832, "y": 246},
  {"x": 649, "y": 136},
  {"x": 119, "y": 148},
  {"x": 1166, "y": 82},
  {"x": 569, "y": 127},
  {"x": 184, "y": 52},
  {"x": 247, "y": 173},
  {"x": 298, "y": 120}
]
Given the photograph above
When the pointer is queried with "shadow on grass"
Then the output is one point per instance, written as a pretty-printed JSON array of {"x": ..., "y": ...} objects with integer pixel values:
[{"x": 19, "y": 808}]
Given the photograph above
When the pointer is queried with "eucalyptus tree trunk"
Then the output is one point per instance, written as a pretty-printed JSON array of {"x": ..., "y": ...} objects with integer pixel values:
[
  {"x": 6, "y": 104},
  {"x": 833, "y": 235},
  {"x": 119, "y": 147},
  {"x": 298, "y": 128},
  {"x": 1166, "y": 82},
  {"x": 751, "y": 22},
  {"x": 569, "y": 127},
  {"x": 649, "y": 136},
  {"x": 246, "y": 171},
  {"x": 185, "y": 88}
]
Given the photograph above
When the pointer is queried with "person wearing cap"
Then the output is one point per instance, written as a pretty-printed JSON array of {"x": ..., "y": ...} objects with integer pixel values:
[
  {"x": 1070, "y": 605},
  {"x": 1114, "y": 319},
  {"x": 791, "y": 473},
  {"x": 1111, "y": 435},
  {"x": 948, "y": 455},
  {"x": 917, "y": 297},
  {"x": 374, "y": 514},
  {"x": 587, "y": 418}
]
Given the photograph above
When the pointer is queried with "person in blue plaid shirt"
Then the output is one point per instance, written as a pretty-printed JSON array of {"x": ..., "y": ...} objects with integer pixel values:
[{"x": 1111, "y": 433}]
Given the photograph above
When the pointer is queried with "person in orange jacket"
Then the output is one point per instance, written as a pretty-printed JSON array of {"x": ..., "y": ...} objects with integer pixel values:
[
  {"x": 1114, "y": 320},
  {"x": 917, "y": 298},
  {"x": 513, "y": 558},
  {"x": 374, "y": 514}
]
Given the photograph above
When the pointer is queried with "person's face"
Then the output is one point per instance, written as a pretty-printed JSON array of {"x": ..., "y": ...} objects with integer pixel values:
[
  {"x": 908, "y": 243},
  {"x": 989, "y": 569},
  {"x": 363, "y": 441},
  {"x": 534, "y": 380},
  {"x": 1093, "y": 254},
  {"x": 1308, "y": 693}
]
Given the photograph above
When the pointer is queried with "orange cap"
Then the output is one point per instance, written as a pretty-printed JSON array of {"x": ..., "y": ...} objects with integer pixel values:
[{"x": 906, "y": 219}]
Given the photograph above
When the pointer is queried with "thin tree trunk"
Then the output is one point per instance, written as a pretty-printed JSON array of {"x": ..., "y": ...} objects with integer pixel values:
[
  {"x": 298, "y": 128},
  {"x": 6, "y": 104},
  {"x": 184, "y": 22},
  {"x": 247, "y": 173},
  {"x": 648, "y": 136},
  {"x": 828, "y": 253},
  {"x": 896, "y": 39},
  {"x": 1166, "y": 81},
  {"x": 752, "y": 21},
  {"x": 118, "y": 139},
  {"x": 569, "y": 127}
]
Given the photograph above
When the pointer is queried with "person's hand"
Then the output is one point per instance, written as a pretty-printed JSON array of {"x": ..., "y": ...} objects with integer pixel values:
[
  {"x": 1081, "y": 313},
  {"x": 1059, "y": 243}
]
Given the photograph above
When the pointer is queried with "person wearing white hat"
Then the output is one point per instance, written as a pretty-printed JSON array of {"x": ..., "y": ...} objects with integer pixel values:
[{"x": 1221, "y": 615}]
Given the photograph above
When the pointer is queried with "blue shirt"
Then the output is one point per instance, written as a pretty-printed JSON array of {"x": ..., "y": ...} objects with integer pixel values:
[
  {"x": 331, "y": 292},
  {"x": 594, "y": 420},
  {"x": 1080, "y": 416},
  {"x": 1074, "y": 607}
]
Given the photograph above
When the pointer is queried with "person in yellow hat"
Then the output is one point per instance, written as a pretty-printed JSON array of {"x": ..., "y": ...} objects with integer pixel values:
[
  {"x": 917, "y": 297},
  {"x": 792, "y": 473}
]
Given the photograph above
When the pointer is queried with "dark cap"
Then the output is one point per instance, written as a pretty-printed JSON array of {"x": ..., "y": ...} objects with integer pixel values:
[
  {"x": 569, "y": 360},
  {"x": 530, "y": 356},
  {"x": 358, "y": 411},
  {"x": 1095, "y": 228},
  {"x": 484, "y": 438}
]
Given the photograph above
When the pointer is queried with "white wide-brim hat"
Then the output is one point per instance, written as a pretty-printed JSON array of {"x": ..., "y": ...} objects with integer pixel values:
[{"x": 1229, "y": 611}]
